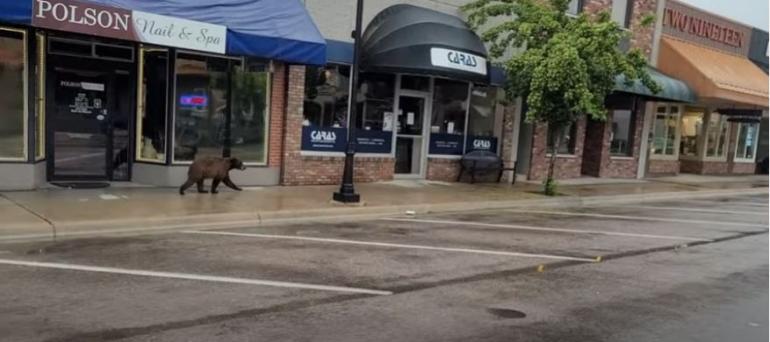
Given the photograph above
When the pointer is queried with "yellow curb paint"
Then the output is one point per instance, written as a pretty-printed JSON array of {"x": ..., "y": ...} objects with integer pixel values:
[{"x": 540, "y": 268}]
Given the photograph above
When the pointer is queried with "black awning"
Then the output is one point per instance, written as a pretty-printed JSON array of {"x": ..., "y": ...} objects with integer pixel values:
[{"x": 416, "y": 40}]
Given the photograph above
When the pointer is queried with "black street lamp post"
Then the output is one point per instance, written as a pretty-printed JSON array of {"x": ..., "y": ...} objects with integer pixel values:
[{"x": 347, "y": 193}]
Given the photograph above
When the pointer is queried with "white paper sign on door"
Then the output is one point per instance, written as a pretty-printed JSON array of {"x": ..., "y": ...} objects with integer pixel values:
[{"x": 410, "y": 118}]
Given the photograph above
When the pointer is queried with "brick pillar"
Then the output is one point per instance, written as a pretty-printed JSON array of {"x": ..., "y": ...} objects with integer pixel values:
[
  {"x": 295, "y": 95},
  {"x": 508, "y": 144},
  {"x": 277, "y": 110}
]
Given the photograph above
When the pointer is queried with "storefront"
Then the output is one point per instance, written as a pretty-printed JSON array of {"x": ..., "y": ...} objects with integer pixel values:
[
  {"x": 425, "y": 98},
  {"x": 719, "y": 133},
  {"x": 128, "y": 91}
]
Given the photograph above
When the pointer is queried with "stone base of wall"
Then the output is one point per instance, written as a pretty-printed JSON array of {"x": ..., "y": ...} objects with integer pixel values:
[
  {"x": 322, "y": 170},
  {"x": 620, "y": 168},
  {"x": 704, "y": 167},
  {"x": 663, "y": 167},
  {"x": 743, "y": 168},
  {"x": 566, "y": 167},
  {"x": 441, "y": 169}
]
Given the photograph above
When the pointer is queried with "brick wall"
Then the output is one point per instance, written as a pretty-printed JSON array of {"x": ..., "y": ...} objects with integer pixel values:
[
  {"x": 743, "y": 168},
  {"x": 277, "y": 110},
  {"x": 508, "y": 144},
  {"x": 442, "y": 169},
  {"x": 566, "y": 166},
  {"x": 661, "y": 167},
  {"x": 704, "y": 167},
  {"x": 641, "y": 36}
]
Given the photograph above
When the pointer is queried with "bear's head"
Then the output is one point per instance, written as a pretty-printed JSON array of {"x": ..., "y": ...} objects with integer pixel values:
[{"x": 236, "y": 163}]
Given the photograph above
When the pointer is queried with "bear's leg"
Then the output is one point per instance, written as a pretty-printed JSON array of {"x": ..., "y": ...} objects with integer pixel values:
[
  {"x": 214, "y": 184},
  {"x": 230, "y": 184},
  {"x": 186, "y": 185},
  {"x": 200, "y": 186}
]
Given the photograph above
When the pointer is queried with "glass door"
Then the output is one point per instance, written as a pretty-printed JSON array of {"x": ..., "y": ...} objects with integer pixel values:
[
  {"x": 410, "y": 135},
  {"x": 80, "y": 125}
]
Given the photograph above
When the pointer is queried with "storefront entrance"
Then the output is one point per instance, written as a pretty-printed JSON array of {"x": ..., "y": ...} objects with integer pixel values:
[
  {"x": 89, "y": 112},
  {"x": 410, "y": 135}
]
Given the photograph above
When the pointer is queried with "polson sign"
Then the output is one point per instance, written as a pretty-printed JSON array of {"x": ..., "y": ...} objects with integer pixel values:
[
  {"x": 111, "y": 22},
  {"x": 458, "y": 60}
]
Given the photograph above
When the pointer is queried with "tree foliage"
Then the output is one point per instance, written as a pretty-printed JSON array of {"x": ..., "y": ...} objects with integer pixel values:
[
  {"x": 567, "y": 66},
  {"x": 570, "y": 62}
]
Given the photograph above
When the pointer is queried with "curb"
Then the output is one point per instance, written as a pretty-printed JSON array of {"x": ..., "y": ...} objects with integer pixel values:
[{"x": 79, "y": 229}]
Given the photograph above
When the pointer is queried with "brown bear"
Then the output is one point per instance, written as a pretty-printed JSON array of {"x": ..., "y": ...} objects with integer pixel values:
[{"x": 215, "y": 168}]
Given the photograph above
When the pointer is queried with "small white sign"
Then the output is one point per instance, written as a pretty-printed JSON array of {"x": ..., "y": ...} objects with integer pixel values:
[
  {"x": 410, "y": 118},
  {"x": 181, "y": 33},
  {"x": 450, "y": 127},
  {"x": 458, "y": 60},
  {"x": 387, "y": 122}
]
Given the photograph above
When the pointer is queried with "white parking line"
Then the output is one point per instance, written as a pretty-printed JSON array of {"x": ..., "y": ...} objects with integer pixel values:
[
  {"x": 549, "y": 229},
  {"x": 690, "y": 209},
  {"x": 188, "y": 276},
  {"x": 393, "y": 245},
  {"x": 638, "y": 218}
]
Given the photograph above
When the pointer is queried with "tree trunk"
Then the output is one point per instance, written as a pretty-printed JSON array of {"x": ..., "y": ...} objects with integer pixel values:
[{"x": 556, "y": 136}]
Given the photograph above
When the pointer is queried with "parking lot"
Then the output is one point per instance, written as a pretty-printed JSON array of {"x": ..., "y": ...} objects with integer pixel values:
[{"x": 497, "y": 275}]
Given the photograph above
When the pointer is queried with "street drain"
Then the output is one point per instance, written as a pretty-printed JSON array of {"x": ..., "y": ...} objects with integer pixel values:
[{"x": 506, "y": 313}]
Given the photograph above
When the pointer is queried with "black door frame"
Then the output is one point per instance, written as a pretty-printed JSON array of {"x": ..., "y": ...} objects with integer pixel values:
[{"x": 87, "y": 64}]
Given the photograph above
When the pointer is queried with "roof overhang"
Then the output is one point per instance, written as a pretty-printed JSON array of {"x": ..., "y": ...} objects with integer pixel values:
[
  {"x": 416, "y": 40},
  {"x": 719, "y": 78},
  {"x": 272, "y": 29}
]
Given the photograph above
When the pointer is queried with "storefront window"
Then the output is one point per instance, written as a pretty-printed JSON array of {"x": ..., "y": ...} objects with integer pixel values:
[
  {"x": 567, "y": 143},
  {"x": 481, "y": 120},
  {"x": 692, "y": 125},
  {"x": 450, "y": 103},
  {"x": 746, "y": 144},
  {"x": 622, "y": 135},
  {"x": 247, "y": 138},
  {"x": 375, "y": 102},
  {"x": 151, "y": 124},
  {"x": 716, "y": 135},
  {"x": 326, "y": 96},
  {"x": 665, "y": 131},
  {"x": 220, "y": 109},
  {"x": 13, "y": 107}
]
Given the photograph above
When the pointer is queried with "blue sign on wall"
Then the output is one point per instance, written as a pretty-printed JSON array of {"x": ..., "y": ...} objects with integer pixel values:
[
  {"x": 478, "y": 143},
  {"x": 443, "y": 143},
  {"x": 373, "y": 141},
  {"x": 324, "y": 139}
]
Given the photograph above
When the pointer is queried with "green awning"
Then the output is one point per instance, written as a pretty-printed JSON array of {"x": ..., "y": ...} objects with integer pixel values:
[{"x": 672, "y": 89}]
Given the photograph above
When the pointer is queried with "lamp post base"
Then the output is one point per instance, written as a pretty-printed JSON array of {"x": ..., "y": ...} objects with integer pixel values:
[{"x": 346, "y": 197}]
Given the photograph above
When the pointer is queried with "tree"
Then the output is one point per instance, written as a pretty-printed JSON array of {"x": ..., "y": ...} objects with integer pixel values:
[{"x": 569, "y": 63}]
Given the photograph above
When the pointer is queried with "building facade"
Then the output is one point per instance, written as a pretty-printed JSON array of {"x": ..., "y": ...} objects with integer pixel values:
[
  {"x": 122, "y": 90},
  {"x": 131, "y": 91},
  {"x": 718, "y": 133}
]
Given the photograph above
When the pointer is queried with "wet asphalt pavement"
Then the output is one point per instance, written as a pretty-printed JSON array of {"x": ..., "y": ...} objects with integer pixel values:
[{"x": 670, "y": 271}]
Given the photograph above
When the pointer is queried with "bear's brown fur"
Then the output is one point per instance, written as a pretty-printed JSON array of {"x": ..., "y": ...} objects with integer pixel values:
[{"x": 215, "y": 168}]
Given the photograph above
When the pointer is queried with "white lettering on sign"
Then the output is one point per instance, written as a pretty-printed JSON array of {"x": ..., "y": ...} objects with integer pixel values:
[
  {"x": 323, "y": 137},
  {"x": 458, "y": 60},
  {"x": 482, "y": 144},
  {"x": 183, "y": 33}
]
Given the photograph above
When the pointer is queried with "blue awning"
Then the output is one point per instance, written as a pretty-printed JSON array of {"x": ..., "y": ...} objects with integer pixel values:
[{"x": 274, "y": 29}]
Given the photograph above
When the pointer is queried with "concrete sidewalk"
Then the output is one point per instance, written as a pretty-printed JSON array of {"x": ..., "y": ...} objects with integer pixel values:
[{"x": 60, "y": 213}]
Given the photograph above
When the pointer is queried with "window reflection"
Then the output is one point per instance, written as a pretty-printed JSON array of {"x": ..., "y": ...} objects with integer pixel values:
[{"x": 12, "y": 108}]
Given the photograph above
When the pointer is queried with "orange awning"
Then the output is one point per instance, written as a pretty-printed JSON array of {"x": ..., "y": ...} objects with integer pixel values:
[{"x": 717, "y": 77}]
